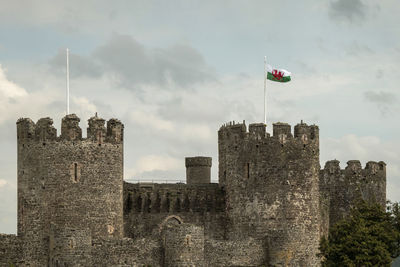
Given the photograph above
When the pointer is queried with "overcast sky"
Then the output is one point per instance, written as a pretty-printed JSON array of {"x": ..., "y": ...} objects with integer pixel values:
[{"x": 175, "y": 71}]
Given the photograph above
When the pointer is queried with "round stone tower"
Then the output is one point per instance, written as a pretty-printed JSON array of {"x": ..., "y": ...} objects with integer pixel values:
[
  {"x": 272, "y": 189},
  {"x": 198, "y": 170},
  {"x": 68, "y": 181}
]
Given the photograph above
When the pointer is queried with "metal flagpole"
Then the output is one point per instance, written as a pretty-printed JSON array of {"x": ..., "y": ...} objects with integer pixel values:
[
  {"x": 67, "y": 81},
  {"x": 265, "y": 90}
]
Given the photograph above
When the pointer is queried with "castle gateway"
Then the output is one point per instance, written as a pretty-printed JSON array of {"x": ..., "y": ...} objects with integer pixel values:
[{"x": 272, "y": 204}]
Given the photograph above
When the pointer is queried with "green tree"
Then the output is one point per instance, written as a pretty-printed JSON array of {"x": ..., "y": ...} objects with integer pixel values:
[{"x": 368, "y": 237}]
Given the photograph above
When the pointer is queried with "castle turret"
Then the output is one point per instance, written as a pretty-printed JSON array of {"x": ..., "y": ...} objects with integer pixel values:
[
  {"x": 198, "y": 170},
  {"x": 70, "y": 181},
  {"x": 271, "y": 186}
]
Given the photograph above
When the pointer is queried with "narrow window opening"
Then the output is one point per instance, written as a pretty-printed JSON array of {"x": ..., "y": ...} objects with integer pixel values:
[
  {"x": 99, "y": 138},
  {"x": 139, "y": 204},
  {"x": 76, "y": 172},
  {"x": 248, "y": 170}
]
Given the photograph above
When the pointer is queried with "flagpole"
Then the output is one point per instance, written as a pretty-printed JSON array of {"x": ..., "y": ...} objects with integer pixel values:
[
  {"x": 67, "y": 81},
  {"x": 265, "y": 90}
]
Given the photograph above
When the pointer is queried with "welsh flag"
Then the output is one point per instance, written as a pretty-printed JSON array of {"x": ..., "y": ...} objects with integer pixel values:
[{"x": 278, "y": 75}]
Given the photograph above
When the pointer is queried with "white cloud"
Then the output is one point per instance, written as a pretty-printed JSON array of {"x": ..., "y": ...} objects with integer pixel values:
[
  {"x": 8, "y": 89},
  {"x": 198, "y": 132},
  {"x": 83, "y": 107},
  {"x": 147, "y": 119},
  {"x": 2, "y": 182},
  {"x": 151, "y": 163}
]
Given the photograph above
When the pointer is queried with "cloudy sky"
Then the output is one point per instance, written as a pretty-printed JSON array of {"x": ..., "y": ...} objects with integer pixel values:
[{"x": 174, "y": 71}]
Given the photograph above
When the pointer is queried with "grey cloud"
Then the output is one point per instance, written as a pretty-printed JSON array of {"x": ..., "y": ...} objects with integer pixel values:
[
  {"x": 383, "y": 100},
  {"x": 131, "y": 64},
  {"x": 379, "y": 74},
  {"x": 79, "y": 65},
  {"x": 349, "y": 10},
  {"x": 357, "y": 49},
  {"x": 380, "y": 97}
]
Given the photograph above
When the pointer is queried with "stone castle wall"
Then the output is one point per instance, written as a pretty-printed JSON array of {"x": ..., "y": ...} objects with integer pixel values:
[
  {"x": 344, "y": 187},
  {"x": 126, "y": 252},
  {"x": 246, "y": 252},
  {"x": 70, "y": 247},
  {"x": 147, "y": 205},
  {"x": 183, "y": 245},
  {"x": 10, "y": 250},
  {"x": 270, "y": 208}
]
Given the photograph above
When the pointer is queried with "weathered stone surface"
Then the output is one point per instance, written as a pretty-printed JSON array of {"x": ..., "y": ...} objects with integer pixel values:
[
  {"x": 198, "y": 170},
  {"x": 272, "y": 191},
  {"x": 272, "y": 204},
  {"x": 183, "y": 245}
]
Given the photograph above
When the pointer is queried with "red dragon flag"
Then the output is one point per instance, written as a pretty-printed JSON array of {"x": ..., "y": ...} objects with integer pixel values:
[{"x": 278, "y": 75}]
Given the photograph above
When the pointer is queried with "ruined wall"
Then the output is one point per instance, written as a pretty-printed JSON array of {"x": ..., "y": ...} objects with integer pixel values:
[
  {"x": 345, "y": 186},
  {"x": 272, "y": 190},
  {"x": 67, "y": 180},
  {"x": 147, "y": 205},
  {"x": 10, "y": 250}
]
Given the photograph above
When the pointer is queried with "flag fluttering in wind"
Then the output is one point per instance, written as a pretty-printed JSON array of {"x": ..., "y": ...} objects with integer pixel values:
[{"x": 277, "y": 75}]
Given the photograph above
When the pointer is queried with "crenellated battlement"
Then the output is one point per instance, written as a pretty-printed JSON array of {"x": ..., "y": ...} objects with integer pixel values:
[
  {"x": 346, "y": 186},
  {"x": 354, "y": 168},
  {"x": 44, "y": 130},
  {"x": 303, "y": 133},
  {"x": 198, "y": 161}
]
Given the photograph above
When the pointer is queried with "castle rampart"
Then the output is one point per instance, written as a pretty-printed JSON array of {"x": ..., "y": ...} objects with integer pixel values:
[
  {"x": 147, "y": 205},
  {"x": 272, "y": 204}
]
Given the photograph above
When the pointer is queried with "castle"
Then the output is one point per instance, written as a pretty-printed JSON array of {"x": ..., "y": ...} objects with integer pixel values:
[{"x": 272, "y": 204}]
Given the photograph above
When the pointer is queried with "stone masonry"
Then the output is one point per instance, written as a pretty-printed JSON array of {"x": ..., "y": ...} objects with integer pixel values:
[{"x": 271, "y": 206}]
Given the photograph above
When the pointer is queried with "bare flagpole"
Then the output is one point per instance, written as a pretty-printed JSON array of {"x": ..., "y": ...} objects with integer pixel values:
[
  {"x": 265, "y": 90},
  {"x": 67, "y": 81}
]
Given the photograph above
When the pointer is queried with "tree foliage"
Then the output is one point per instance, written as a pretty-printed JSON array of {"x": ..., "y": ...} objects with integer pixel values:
[{"x": 370, "y": 236}]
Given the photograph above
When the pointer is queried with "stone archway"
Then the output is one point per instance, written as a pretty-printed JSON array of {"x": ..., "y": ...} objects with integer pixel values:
[{"x": 172, "y": 219}]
